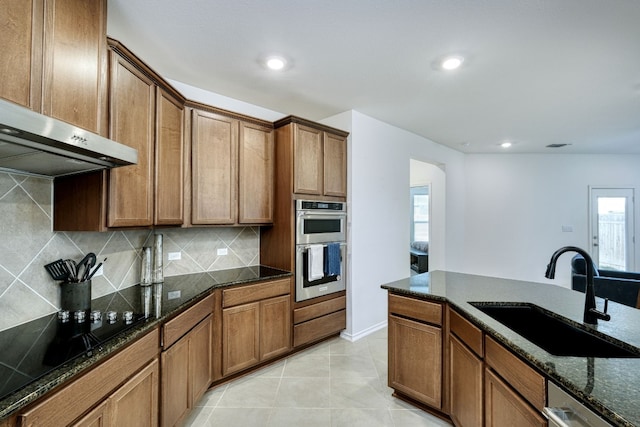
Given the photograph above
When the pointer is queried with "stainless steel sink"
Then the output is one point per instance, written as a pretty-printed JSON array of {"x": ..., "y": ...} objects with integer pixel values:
[{"x": 555, "y": 334}]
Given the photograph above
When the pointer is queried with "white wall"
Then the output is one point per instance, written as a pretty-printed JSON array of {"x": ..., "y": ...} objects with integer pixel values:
[
  {"x": 516, "y": 206},
  {"x": 210, "y": 98},
  {"x": 378, "y": 188}
]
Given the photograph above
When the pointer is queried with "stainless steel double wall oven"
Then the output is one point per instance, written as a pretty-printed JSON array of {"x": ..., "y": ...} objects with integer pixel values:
[{"x": 320, "y": 230}]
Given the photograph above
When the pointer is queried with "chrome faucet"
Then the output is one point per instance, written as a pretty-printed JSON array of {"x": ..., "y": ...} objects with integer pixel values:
[{"x": 591, "y": 315}]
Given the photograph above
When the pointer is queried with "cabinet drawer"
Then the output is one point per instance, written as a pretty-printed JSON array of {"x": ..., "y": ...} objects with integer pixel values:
[
  {"x": 184, "y": 322},
  {"x": 320, "y": 309},
  {"x": 426, "y": 311},
  {"x": 320, "y": 327},
  {"x": 257, "y": 292},
  {"x": 66, "y": 405},
  {"x": 515, "y": 372},
  {"x": 467, "y": 332}
]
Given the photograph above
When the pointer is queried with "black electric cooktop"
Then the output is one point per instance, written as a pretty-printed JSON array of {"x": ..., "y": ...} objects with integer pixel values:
[{"x": 32, "y": 350}]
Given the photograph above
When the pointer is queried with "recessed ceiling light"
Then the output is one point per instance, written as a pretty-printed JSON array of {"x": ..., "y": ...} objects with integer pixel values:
[
  {"x": 506, "y": 144},
  {"x": 451, "y": 62},
  {"x": 275, "y": 63}
]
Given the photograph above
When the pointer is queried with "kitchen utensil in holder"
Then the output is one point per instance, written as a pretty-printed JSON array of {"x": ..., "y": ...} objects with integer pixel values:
[{"x": 76, "y": 296}]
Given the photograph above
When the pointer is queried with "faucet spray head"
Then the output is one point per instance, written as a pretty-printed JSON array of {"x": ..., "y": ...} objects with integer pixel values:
[
  {"x": 551, "y": 270},
  {"x": 549, "y": 274}
]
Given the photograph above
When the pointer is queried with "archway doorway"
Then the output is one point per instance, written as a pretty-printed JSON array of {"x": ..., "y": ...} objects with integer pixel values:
[{"x": 427, "y": 216}]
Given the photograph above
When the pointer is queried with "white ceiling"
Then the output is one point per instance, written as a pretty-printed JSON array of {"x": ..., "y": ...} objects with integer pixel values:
[{"x": 536, "y": 72}]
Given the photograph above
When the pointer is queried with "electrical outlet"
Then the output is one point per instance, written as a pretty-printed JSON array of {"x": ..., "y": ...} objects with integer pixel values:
[
  {"x": 567, "y": 228},
  {"x": 174, "y": 256},
  {"x": 223, "y": 251},
  {"x": 174, "y": 294}
]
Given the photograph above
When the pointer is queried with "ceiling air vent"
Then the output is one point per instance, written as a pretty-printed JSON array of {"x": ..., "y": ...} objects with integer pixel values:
[{"x": 557, "y": 145}]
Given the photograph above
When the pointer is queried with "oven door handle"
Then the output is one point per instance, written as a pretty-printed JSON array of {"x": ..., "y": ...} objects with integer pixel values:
[
  {"x": 302, "y": 248},
  {"x": 311, "y": 214}
]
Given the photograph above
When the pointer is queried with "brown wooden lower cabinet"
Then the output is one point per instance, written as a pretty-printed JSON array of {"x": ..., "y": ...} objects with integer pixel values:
[
  {"x": 275, "y": 327},
  {"x": 465, "y": 385},
  {"x": 415, "y": 360},
  {"x": 240, "y": 337},
  {"x": 475, "y": 380},
  {"x": 175, "y": 383},
  {"x": 466, "y": 371},
  {"x": 254, "y": 332},
  {"x": 318, "y": 328},
  {"x": 135, "y": 404},
  {"x": 319, "y": 320},
  {"x": 186, "y": 372},
  {"x": 504, "y": 407},
  {"x": 126, "y": 380},
  {"x": 98, "y": 417}
]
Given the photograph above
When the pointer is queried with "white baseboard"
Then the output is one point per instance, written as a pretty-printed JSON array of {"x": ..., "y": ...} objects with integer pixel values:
[{"x": 364, "y": 333}]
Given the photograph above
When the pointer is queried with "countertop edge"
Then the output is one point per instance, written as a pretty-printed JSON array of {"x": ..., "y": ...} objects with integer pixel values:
[
  {"x": 541, "y": 367},
  {"x": 76, "y": 367}
]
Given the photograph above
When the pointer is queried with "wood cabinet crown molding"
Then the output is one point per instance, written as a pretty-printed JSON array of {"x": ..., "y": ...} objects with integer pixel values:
[
  {"x": 132, "y": 58},
  {"x": 227, "y": 113},
  {"x": 305, "y": 122}
]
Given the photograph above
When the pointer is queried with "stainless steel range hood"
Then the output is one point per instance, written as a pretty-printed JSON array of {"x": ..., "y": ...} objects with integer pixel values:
[{"x": 37, "y": 144}]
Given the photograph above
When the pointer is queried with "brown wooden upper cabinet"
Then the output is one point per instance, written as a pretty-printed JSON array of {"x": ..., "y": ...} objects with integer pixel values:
[
  {"x": 53, "y": 59},
  {"x": 232, "y": 169},
  {"x": 132, "y": 108},
  {"x": 319, "y": 156},
  {"x": 148, "y": 115}
]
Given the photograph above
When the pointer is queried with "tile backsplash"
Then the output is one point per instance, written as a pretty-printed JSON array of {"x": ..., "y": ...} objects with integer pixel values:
[{"x": 27, "y": 243}]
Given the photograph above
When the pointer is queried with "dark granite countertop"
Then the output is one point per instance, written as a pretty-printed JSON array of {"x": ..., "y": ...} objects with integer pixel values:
[
  {"x": 24, "y": 377},
  {"x": 610, "y": 387}
]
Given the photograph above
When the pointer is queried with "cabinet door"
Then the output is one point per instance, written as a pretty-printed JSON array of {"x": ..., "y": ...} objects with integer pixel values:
[
  {"x": 505, "y": 408},
  {"x": 240, "y": 337},
  {"x": 335, "y": 165},
  {"x": 200, "y": 355},
  {"x": 307, "y": 160},
  {"x": 255, "y": 174},
  {"x": 214, "y": 174},
  {"x": 175, "y": 383},
  {"x": 135, "y": 404},
  {"x": 415, "y": 360},
  {"x": 98, "y": 417},
  {"x": 74, "y": 76},
  {"x": 169, "y": 151},
  {"x": 21, "y": 41},
  {"x": 275, "y": 327},
  {"x": 465, "y": 385},
  {"x": 132, "y": 123}
]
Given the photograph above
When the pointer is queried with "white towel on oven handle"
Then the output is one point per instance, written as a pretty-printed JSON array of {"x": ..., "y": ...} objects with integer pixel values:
[{"x": 315, "y": 259}]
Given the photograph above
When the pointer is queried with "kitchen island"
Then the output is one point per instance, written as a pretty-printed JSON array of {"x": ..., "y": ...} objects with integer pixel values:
[{"x": 608, "y": 386}]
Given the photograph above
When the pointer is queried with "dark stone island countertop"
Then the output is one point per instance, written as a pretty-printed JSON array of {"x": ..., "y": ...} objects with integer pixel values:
[
  {"x": 24, "y": 377},
  {"x": 610, "y": 387}
]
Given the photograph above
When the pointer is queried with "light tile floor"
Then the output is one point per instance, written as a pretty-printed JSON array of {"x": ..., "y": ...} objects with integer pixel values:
[{"x": 333, "y": 384}]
